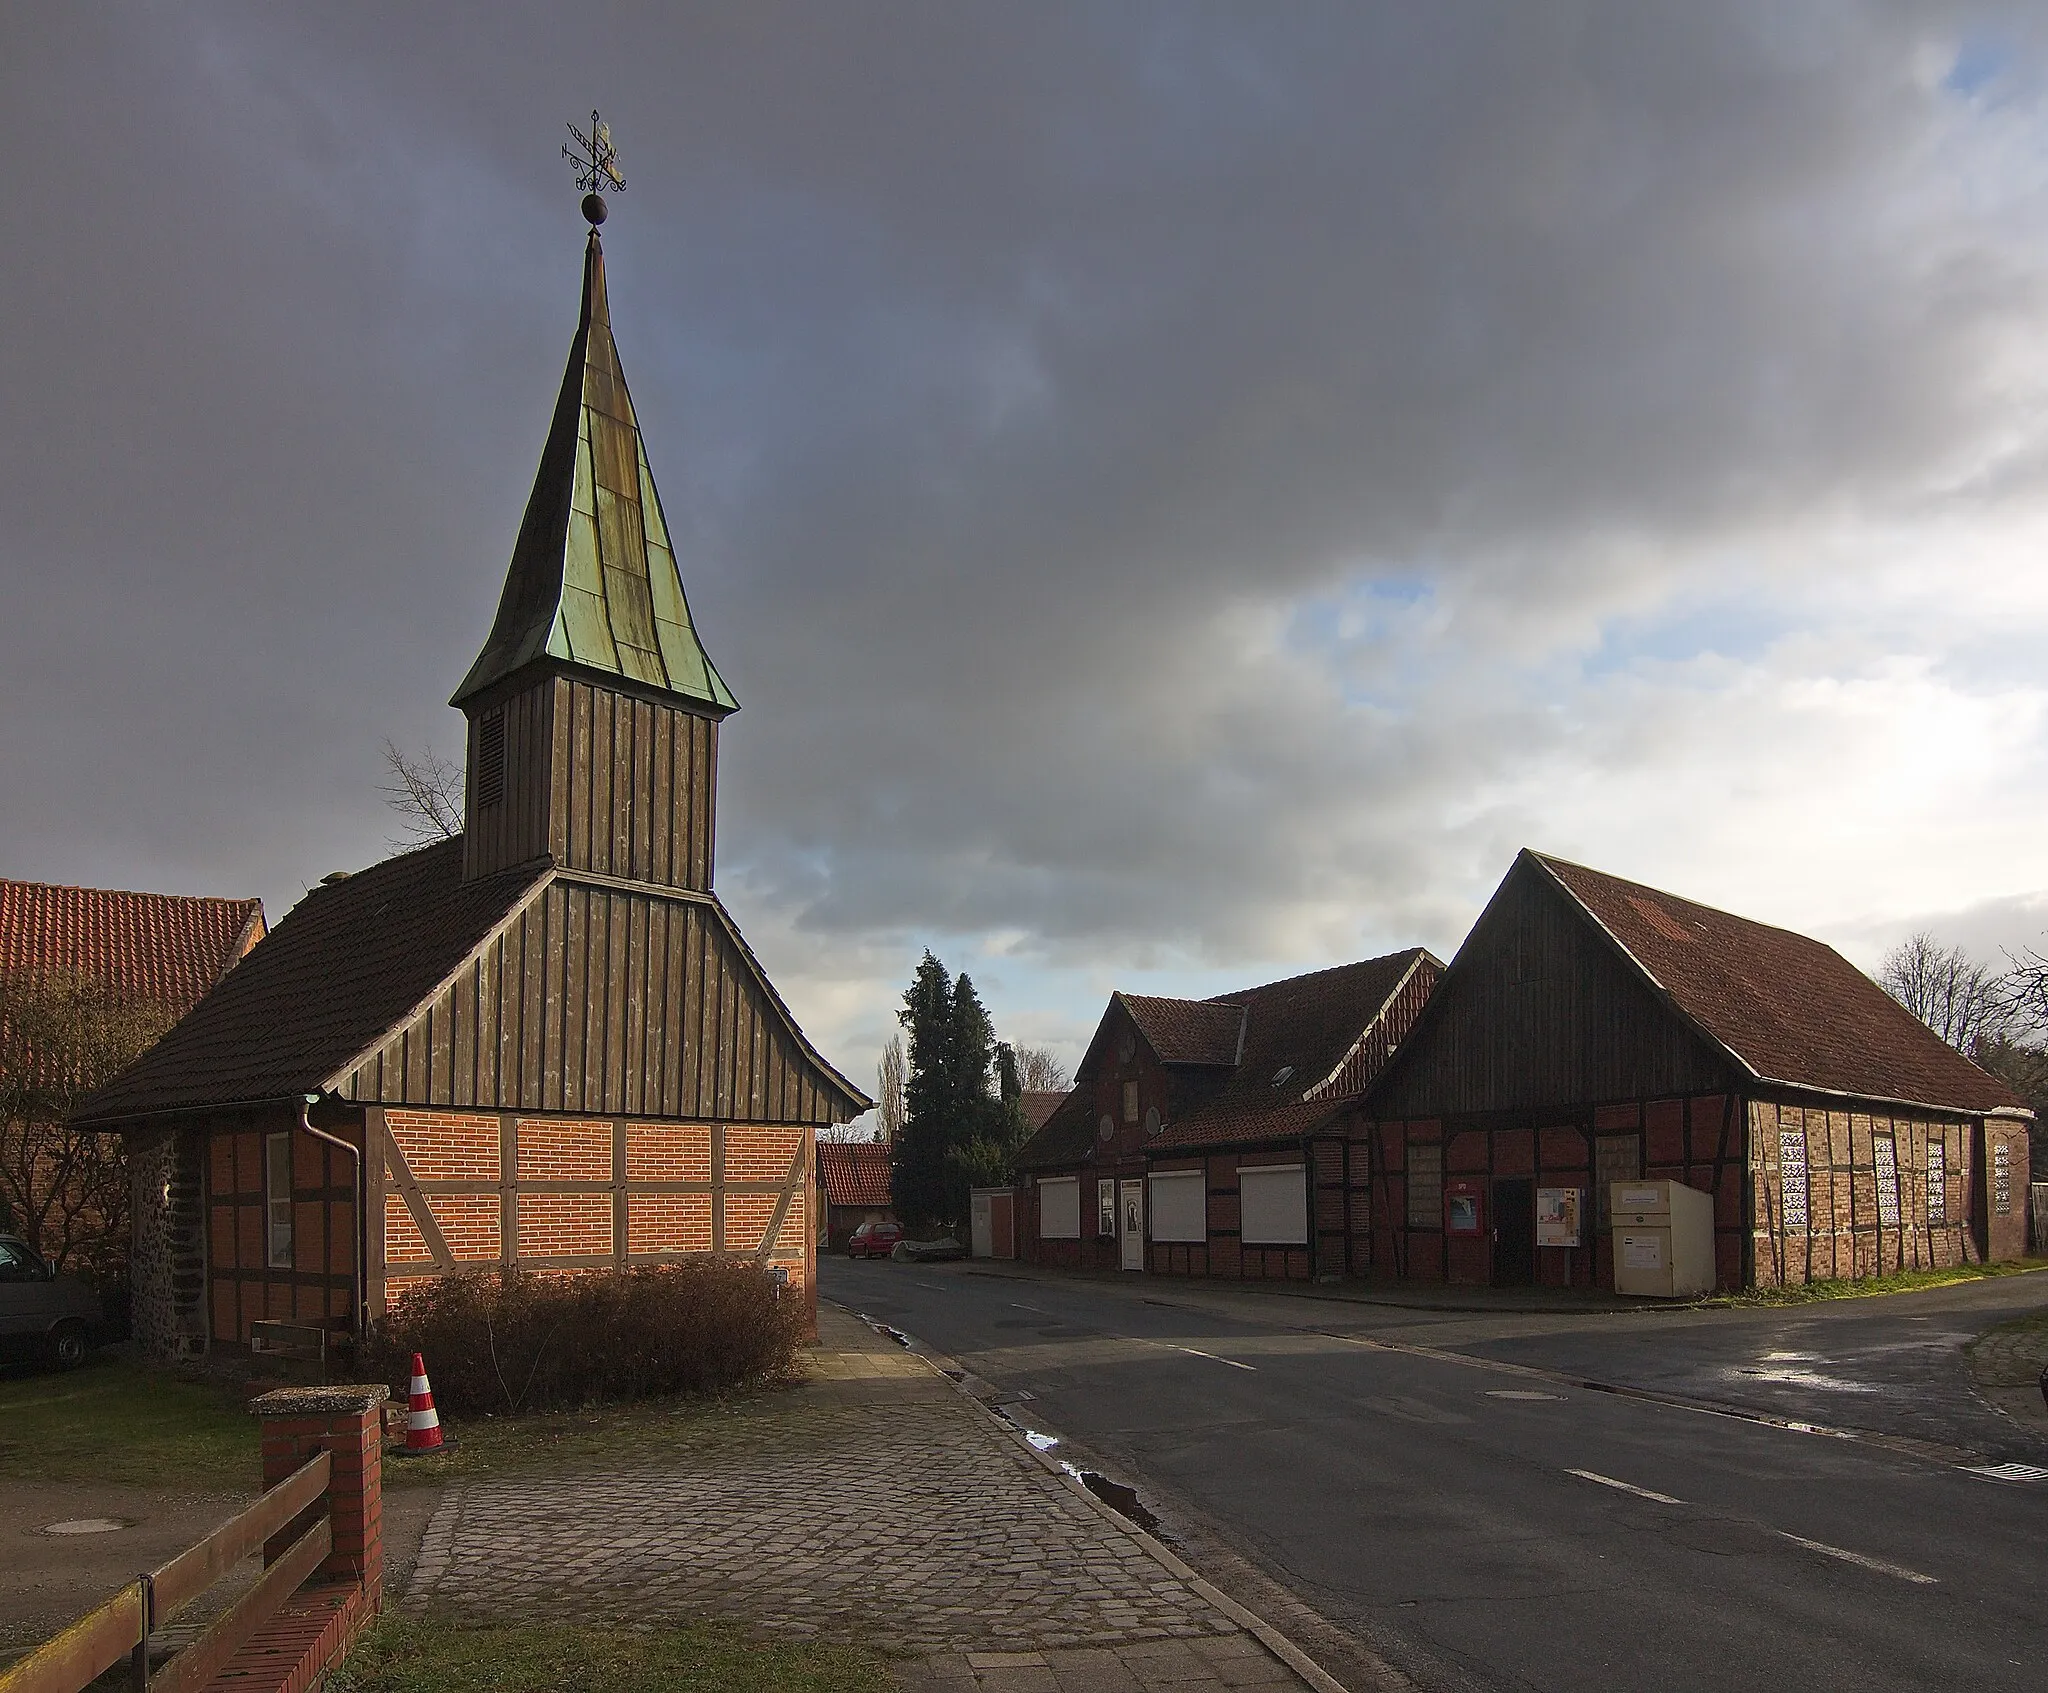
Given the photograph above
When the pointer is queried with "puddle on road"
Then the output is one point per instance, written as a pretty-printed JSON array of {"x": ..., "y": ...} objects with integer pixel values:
[
  {"x": 1790, "y": 1374},
  {"x": 1119, "y": 1498}
]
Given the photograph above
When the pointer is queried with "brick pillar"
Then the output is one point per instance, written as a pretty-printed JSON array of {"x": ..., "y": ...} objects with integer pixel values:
[{"x": 349, "y": 1423}]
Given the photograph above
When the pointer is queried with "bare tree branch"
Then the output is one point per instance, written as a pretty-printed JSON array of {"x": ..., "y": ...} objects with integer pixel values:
[
  {"x": 1961, "y": 1000},
  {"x": 890, "y": 1075},
  {"x": 1038, "y": 1071},
  {"x": 426, "y": 792}
]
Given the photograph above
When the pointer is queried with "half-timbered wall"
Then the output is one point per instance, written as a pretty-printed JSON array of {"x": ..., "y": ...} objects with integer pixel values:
[
  {"x": 1225, "y": 1253},
  {"x": 453, "y": 1190},
  {"x": 604, "y": 1001},
  {"x": 1826, "y": 1202},
  {"x": 599, "y": 778},
  {"x": 317, "y": 1284},
  {"x": 1403, "y": 1167}
]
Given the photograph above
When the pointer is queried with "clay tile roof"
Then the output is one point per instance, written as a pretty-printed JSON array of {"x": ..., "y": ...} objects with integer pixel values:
[
  {"x": 165, "y": 948},
  {"x": 1308, "y": 1043},
  {"x": 1038, "y": 1107},
  {"x": 1064, "y": 1137},
  {"x": 855, "y": 1173},
  {"x": 1792, "y": 1009},
  {"x": 1187, "y": 1031},
  {"x": 1298, "y": 1033},
  {"x": 348, "y": 962}
]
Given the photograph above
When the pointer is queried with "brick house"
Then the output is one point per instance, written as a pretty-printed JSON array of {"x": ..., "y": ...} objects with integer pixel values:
[
  {"x": 1592, "y": 1030},
  {"x": 853, "y": 1187},
  {"x": 156, "y": 953},
  {"x": 1197, "y": 1129},
  {"x": 543, "y": 1043}
]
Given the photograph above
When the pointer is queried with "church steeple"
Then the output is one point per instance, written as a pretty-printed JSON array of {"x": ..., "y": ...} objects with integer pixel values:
[
  {"x": 593, "y": 709},
  {"x": 594, "y": 581}
]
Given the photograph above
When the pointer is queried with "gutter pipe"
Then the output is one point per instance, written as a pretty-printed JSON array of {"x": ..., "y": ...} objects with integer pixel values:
[{"x": 306, "y": 1103}]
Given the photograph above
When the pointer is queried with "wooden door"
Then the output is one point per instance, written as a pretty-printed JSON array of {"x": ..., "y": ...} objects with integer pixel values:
[
  {"x": 1514, "y": 1233},
  {"x": 1131, "y": 1211}
]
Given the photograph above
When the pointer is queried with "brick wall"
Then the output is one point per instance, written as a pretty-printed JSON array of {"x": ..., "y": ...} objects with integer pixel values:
[
  {"x": 681, "y": 1188},
  {"x": 1855, "y": 1224}
]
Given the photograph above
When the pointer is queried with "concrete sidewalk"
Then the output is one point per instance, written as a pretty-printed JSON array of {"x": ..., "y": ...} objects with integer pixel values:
[{"x": 875, "y": 1503}]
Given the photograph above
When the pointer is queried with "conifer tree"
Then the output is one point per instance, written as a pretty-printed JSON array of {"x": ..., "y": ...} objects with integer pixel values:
[{"x": 950, "y": 1108}]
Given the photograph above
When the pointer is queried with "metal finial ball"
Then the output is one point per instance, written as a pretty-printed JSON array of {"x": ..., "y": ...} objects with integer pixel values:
[{"x": 594, "y": 209}]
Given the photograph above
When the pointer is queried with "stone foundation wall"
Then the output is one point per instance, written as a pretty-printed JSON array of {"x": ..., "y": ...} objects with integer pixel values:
[{"x": 167, "y": 1267}]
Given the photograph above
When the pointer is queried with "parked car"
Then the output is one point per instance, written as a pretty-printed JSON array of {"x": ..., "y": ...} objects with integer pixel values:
[
  {"x": 874, "y": 1240},
  {"x": 939, "y": 1251},
  {"x": 41, "y": 1311}
]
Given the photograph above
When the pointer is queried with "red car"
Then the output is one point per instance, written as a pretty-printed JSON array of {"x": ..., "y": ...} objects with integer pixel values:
[{"x": 874, "y": 1240}]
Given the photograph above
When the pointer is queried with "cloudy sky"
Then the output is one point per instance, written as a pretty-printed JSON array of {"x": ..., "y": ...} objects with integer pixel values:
[{"x": 1182, "y": 492}]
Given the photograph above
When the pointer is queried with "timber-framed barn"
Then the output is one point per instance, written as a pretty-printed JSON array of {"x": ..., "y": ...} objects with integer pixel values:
[
  {"x": 543, "y": 1044},
  {"x": 1594, "y": 1031}
]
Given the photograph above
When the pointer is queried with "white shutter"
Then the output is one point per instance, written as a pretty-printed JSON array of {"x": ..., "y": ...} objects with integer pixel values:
[
  {"x": 1180, "y": 1205},
  {"x": 1274, "y": 1206},
  {"x": 1059, "y": 1208}
]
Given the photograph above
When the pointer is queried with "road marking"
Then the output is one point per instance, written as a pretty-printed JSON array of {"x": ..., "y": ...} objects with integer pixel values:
[
  {"x": 1898, "y": 1572},
  {"x": 2008, "y": 1472},
  {"x": 1625, "y": 1487},
  {"x": 1017, "y": 1306},
  {"x": 1519, "y": 1393},
  {"x": 1197, "y": 1352}
]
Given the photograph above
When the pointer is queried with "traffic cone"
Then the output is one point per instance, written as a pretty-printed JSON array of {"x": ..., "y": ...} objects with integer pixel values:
[{"x": 423, "y": 1423}]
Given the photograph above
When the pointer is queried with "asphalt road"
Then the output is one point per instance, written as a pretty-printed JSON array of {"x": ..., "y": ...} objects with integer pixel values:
[{"x": 1477, "y": 1525}]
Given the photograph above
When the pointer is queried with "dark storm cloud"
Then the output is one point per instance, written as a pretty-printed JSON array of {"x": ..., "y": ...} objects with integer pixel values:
[{"x": 1154, "y": 475}]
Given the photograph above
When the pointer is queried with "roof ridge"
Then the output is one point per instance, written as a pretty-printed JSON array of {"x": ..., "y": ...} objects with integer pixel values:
[
  {"x": 1325, "y": 970},
  {"x": 131, "y": 893},
  {"x": 1549, "y": 858}
]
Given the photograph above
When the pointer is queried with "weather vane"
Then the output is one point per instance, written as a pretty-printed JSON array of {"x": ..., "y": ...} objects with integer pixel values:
[{"x": 597, "y": 166}]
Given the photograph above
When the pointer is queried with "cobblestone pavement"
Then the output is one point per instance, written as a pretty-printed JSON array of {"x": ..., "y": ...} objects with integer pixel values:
[
  {"x": 875, "y": 1503},
  {"x": 2007, "y": 1363}
]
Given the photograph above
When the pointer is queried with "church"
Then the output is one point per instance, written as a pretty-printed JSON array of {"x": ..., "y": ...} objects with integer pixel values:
[{"x": 543, "y": 1044}]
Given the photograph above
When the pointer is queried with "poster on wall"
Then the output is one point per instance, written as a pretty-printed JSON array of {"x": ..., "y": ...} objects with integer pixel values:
[
  {"x": 1557, "y": 1215},
  {"x": 1461, "y": 1208}
]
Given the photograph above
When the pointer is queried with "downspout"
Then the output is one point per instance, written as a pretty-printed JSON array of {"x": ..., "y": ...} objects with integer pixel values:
[{"x": 306, "y": 1103}]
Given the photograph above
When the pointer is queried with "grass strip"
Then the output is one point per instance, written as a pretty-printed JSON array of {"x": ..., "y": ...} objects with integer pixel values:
[
  {"x": 1868, "y": 1287},
  {"x": 408, "y": 1652},
  {"x": 113, "y": 1421}
]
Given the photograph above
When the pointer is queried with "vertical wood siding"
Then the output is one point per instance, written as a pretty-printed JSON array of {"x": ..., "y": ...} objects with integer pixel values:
[
  {"x": 1538, "y": 1012},
  {"x": 601, "y": 781},
  {"x": 610, "y": 1002}
]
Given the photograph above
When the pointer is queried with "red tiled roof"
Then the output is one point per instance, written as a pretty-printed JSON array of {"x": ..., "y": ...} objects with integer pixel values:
[
  {"x": 1187, "y": 1031},
  {"x": 1286, "y": 1040},
  {"x": 1298, "y": 1033},
  {"x": 169, "y": 949},
  {"x": 855, "y": 1173},
  {"x": 1791, "y": 1009},
  {"x": 1038, "y": 1107}
]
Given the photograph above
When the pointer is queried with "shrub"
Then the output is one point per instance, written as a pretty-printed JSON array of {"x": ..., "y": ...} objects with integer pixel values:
[{"x": 508, "y": 1341}]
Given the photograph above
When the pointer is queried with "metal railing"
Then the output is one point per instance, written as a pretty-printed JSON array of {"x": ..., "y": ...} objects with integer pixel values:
[{"x": 121, "y": 1628}]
